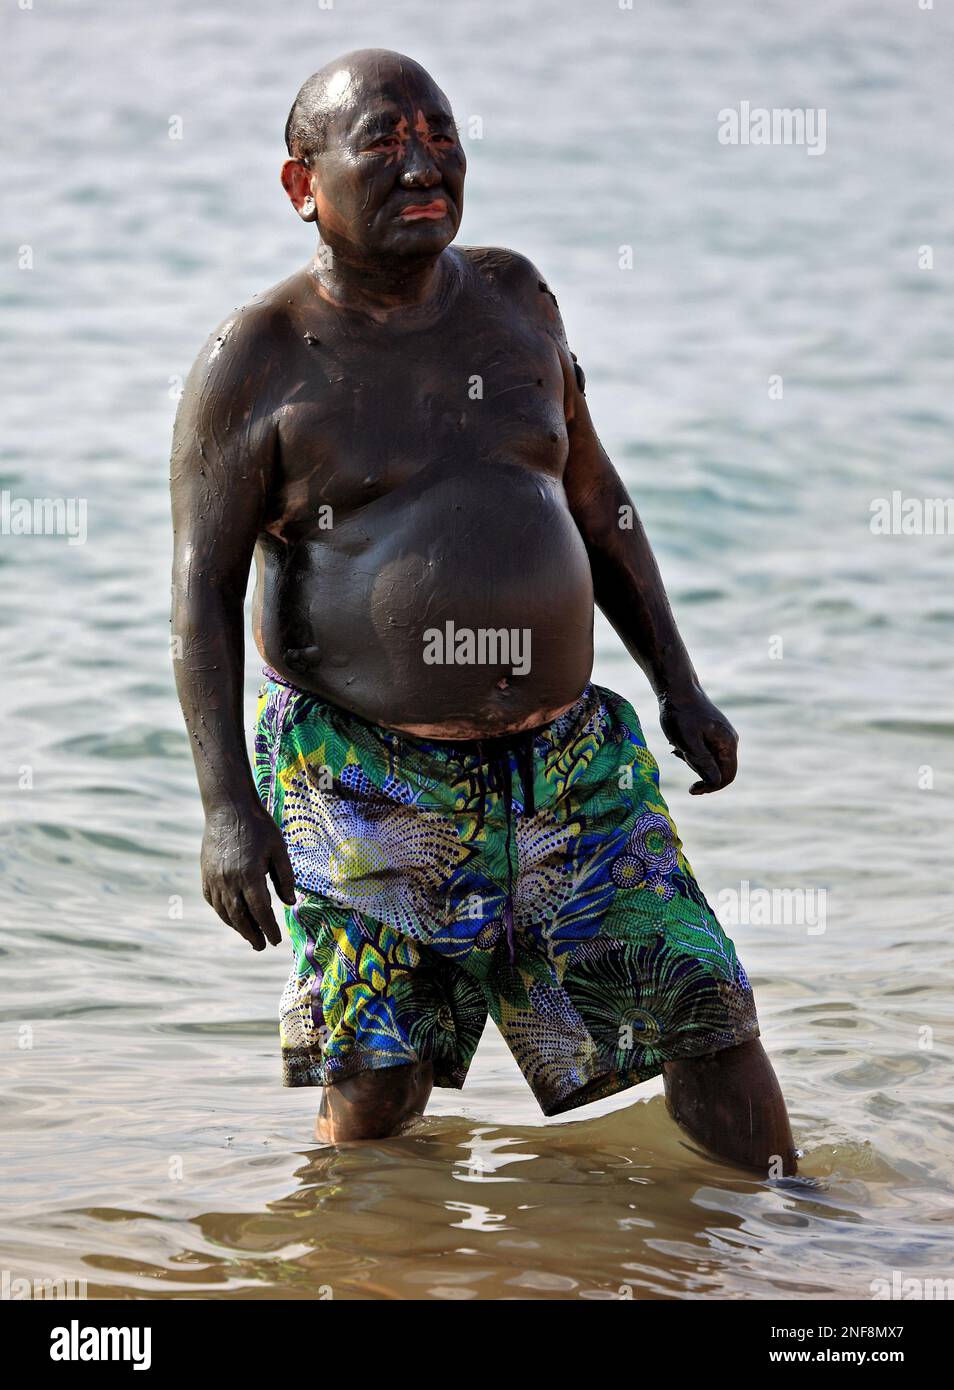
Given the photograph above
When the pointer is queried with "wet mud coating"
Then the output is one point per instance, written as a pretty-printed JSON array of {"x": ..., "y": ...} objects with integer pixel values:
[
  {"x": 424, "y": 486},
  {"x": 399, "y": 433}
]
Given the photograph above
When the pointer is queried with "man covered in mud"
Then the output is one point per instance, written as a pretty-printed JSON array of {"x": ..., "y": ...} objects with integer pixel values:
[{"x": 458, "y": 820}]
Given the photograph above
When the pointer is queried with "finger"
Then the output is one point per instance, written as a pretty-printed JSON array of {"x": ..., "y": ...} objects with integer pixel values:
[
  {"x": 216, "y": 900},
  {"x": 283, "y": 876},
  {"x": 701, "y": 760},
  {"x": 241, "y": 920},
  {"x": 260, "y": 907},
  {"x": 725, "y": 753}
]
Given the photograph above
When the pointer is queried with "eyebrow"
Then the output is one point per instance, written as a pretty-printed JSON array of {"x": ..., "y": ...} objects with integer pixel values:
[
  {"x": 383, "y": 122},
  {"x": 376, "y": 121}
]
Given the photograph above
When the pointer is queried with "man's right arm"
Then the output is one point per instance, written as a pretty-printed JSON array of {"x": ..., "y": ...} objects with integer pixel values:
[{"x": 222, "y": 457}]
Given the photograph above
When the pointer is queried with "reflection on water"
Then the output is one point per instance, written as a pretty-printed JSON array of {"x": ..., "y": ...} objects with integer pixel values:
[
  {"x": 608, "y": 1208},
  {"x": 156, "y": 1154},
  {"x": 184, "y": 1190}
]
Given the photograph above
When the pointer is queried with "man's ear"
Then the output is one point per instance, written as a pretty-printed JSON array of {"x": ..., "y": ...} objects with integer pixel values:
[{"x": 296, "y": 181}]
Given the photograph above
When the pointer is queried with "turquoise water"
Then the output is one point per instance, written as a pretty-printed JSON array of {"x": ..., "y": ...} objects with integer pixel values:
[{"x": 154, "y": 1151}]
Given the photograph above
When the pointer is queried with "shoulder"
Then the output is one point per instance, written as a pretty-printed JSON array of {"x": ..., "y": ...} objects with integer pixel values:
[
  {"x": 231, "y": 393},
  {"x": 517, "y": 278},
  {"x": 510, "y": 272},
  {"x": 239, "y": 348}
]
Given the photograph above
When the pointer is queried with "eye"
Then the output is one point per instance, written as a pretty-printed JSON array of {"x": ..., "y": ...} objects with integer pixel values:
[{"x": 383, "y": 142}]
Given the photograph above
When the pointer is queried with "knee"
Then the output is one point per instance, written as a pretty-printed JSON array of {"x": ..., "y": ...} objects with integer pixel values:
[
  {"x": 730, "y": 1103},
  {"x": 374, "y": 1104}
]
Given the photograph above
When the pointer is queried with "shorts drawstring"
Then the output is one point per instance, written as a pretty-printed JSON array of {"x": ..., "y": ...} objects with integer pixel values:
[{"x": 498, "y": 778}]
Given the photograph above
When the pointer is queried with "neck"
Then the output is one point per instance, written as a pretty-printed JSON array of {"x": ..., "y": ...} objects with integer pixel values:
[{"x": 379, "y": 285}]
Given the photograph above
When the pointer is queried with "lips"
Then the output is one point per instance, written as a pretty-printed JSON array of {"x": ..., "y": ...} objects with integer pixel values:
[{"x": 415, "y": 212}]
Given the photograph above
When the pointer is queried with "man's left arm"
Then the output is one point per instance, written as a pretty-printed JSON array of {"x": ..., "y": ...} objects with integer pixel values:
[{"x": 629, "y": 589}]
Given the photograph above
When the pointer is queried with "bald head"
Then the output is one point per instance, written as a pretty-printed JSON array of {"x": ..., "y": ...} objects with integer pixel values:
[
  {"x": 361, "y": 77},
  {"x": 375, "y": 157}
]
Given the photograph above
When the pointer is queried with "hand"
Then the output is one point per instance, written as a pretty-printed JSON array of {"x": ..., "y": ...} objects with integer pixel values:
[
  {"x": 702, "y": 736},
  {"x": 241, "y": 847}
]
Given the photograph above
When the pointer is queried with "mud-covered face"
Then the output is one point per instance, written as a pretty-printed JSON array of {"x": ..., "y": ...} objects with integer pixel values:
[{"x": 390, "y": 180}]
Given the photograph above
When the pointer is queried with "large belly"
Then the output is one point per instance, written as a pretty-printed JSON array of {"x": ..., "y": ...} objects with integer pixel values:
[{"x": 459, "y": 608}]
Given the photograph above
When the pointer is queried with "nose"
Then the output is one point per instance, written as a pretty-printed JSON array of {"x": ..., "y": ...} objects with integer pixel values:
[{"x": 420, "y": 169}]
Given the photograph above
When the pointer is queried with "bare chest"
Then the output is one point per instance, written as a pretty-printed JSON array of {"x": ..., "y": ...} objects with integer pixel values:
[{"x": 363, "y": 419}]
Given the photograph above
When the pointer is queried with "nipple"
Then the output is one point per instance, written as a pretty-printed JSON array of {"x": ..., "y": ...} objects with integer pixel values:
[{"x": 301, "y": 658}]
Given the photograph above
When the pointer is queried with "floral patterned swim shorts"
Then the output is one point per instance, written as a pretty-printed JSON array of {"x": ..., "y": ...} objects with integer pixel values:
[{"x": 537, "y": 877}]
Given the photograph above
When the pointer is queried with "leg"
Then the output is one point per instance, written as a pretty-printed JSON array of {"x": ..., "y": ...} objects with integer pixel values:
[
  {"x": 731, "y": 1104},
  {"x": 373, "y": 1104}
]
